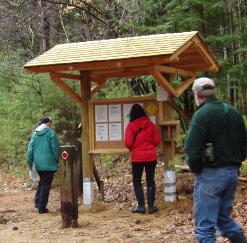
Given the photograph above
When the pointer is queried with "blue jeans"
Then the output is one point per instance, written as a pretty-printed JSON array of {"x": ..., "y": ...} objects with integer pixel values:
[{"x": 214, "y": 194}]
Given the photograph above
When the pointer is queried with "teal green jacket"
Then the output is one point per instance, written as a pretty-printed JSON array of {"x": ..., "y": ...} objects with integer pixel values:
[
  {"x": 220, "y": 124},
  {"x": 43, "y": 150}
]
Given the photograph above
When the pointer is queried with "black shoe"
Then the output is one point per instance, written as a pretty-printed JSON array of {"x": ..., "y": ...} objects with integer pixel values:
[
  {"x": 43, "y": 211},
  {"x": 152, "y": 209},
  {"x": 138, "y": 210},
  {"x": 238, "y": 238}
]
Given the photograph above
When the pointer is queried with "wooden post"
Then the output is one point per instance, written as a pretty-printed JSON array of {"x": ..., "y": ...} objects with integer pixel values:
[
  {"x": 168, "y": 132},
  {"x": 87, "y": 165},
  {"x": 169, "y": 146},
  {"x": 69, "y": 186}
]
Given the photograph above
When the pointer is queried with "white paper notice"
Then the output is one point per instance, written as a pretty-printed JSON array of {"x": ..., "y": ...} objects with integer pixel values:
[
  {"x": 162, "y": 95},
  {"x": 115, "y": 132},
  {"x": 101, "y": 113},
  {"x": 114, "y": 113},
  {"x": 126, "y": 112},
  {"x": 152, "y": 119},
  {"x": 102, "y": 132}
]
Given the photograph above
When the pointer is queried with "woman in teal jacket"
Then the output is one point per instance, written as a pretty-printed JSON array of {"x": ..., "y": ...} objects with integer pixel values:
[{"x": 43, "y": 152}]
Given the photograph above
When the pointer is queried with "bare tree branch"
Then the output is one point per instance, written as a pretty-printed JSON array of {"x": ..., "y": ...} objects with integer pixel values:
[{"x": 81, "y": 8}]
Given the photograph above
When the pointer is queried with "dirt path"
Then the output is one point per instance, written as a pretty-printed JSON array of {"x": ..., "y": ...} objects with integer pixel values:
[{"x": 104, "y": 222}]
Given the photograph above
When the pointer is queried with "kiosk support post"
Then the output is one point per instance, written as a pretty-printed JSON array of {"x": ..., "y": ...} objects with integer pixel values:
[{"x": 87, "y": 165}]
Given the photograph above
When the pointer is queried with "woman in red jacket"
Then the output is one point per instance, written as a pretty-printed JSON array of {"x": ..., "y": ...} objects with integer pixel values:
[{"x": 141, "y": 138}]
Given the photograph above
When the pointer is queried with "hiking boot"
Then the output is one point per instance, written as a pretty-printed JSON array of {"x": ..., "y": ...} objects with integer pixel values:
[
  {"x": 138, "y": 209},
  {"x": 43, "y": 211},
  {"x": 152, "y": 209}
]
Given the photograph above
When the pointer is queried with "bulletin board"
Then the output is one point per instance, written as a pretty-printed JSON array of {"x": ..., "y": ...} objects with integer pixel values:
[{"x": 109, "y": 118}]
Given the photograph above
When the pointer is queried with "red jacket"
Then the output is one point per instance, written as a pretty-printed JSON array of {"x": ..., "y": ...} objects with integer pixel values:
[{"x": 143, "y": 148}]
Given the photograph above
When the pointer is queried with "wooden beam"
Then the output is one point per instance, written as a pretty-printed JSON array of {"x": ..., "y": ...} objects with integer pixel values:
[
  {"x": 193, "y": 66},
  {"x": 164, "y": 83},
  {"x": 65, "y": 87},
  {"x": 68, "y": 76},
  {"x": 185, "y": 84},
  {"x": 203, "y": 53},
  {"x": 85, "y": 97},
  {"x": 171, "y": 70},
  {"x": 125, "y": 72},
  {"x": 123, "y": 100},
  {"x": 108, "y": 64},
  {"x": 175, "y": 55},
  {"x": 206, "y": 55},
  {"x": 97, "y": 87}
]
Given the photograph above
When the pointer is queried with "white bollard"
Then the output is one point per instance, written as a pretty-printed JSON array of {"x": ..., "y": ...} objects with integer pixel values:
[
  {"x": 88, "y": 191},
  {"x": 170, "y": 185}
]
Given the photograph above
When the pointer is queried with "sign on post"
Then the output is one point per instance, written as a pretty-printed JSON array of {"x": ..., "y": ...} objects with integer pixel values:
[{"x": 69, "y": 186}]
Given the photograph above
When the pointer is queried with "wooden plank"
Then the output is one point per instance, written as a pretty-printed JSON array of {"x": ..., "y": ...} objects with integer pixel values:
[
  {"x": 100, "y": 151},
  {"x": 198, "y": 67},
  {"x": 65, "y": 87},
  {"x": 68, "y": 76},
  {"x": 170, "y": 123},
  {"x": 171, "y": 70},
  {"x": 85, "y": 141},
  {"x": 206, "y": 55},
  {"x": 91, "y": 125},
  {"x": 164, "y": 83},
  {"x": 123, "y": 100},
  {"x": 124, "y": 72},
  {"x": 110, "y": 64},
  {"x": 185, "y": 84},
  {"x": 97, "y": 87}
]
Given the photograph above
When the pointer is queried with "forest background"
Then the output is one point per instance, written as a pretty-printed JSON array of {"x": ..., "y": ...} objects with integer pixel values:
[{"x": 31, "y": 27}]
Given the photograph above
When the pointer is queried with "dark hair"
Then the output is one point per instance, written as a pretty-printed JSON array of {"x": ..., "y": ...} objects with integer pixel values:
[
  {"x": 136, "y": 112},
  {"x": 45, "y": 119}
]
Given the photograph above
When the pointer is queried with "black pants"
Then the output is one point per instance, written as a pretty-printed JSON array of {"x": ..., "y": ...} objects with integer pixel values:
[
  {"x": 43, "y": 189},
  {"x": 137, "y": 170}
]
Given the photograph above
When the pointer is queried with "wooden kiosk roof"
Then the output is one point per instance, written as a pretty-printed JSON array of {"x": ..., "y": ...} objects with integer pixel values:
[{"x": 184, "y": 54}]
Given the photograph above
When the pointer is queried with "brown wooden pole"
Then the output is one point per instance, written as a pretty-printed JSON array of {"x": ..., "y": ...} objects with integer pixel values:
[
  {"x": 69, "y": 186},
  {"x": 168, "y": 136},
  {"x": 87, "y": 165}
]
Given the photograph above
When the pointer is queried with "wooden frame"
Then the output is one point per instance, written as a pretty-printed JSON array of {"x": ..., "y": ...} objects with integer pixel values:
[{"x": 117, "y": 146}]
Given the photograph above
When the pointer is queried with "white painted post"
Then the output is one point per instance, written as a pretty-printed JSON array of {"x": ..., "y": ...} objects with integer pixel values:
[{"x": 170, "y": 185}]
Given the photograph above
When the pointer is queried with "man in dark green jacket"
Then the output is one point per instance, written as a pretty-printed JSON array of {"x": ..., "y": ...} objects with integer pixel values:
[
  {"x": 215, "y": 146},
  {"x": 43, "y": 151}
]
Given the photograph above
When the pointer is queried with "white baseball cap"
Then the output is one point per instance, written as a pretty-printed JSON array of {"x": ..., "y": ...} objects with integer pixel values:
[{"x": 203, "y": 84}]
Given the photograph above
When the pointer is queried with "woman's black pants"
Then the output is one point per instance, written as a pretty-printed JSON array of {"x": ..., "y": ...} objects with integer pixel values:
[
  {"x": 43, "y": 189},
  {"x": 137, "y": 170}
]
